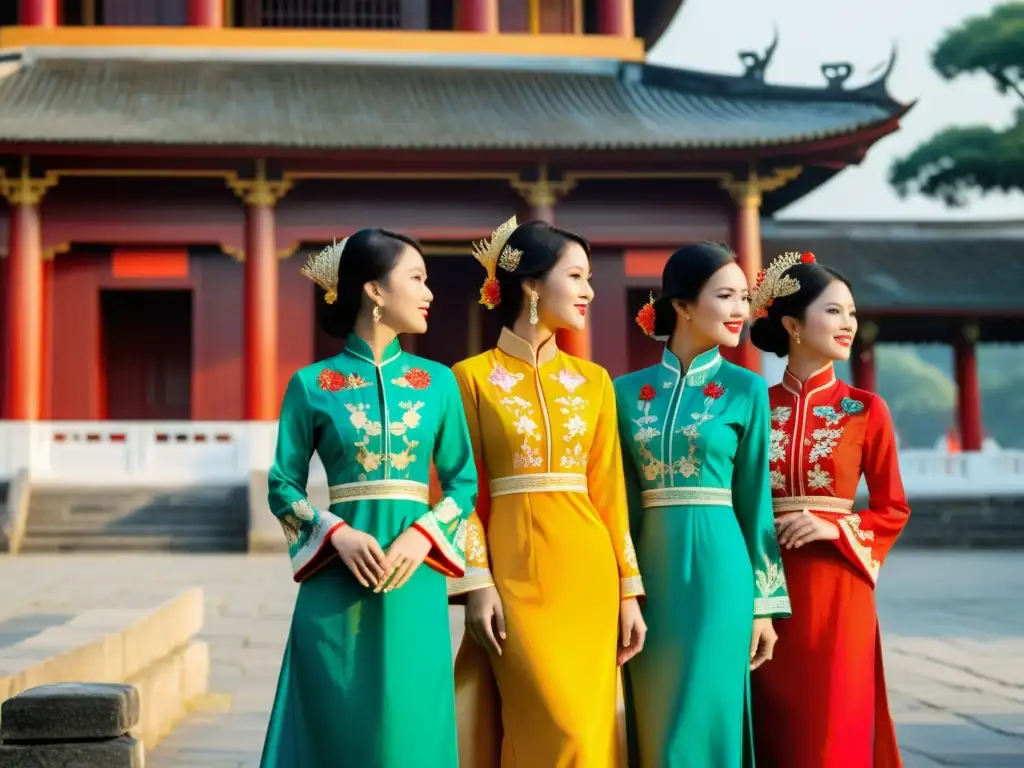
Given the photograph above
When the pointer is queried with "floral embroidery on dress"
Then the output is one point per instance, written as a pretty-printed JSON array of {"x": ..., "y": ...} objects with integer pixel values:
[
  {"x": 851, "y": 406},
  {"x": 358, "y": 418},
  {"x": 502, "y": 379},
  {"x": 414, "y": 378},
  {"x": 689, "y": 465},
  {"x": 824, "y": 441},
  {"x": 575, "y": 427},
  {"x": 819, "y": 478},
  {"x": 828, "y": 413},
  {"x": 777, "y": 442},
  {"x": 291, "y": 527},
  {"x": 771, "y": 579},
  {"x": 629, "y": 553},
  {"x": 410, "y": 420},
  {"x": 647, "y": 393},
  {"x": 651, "y": 466},
  {"x": 568, "y": 379},
  {"x": 523, "y": 420},
  {"x": 781, "y": 414},
  {"x": 334, "y": 381},
  {"x": 859, "y": 540},
  {"x": 777, "y": 480},
  {"x": 304, "y": 510},
  {"x": 476, "y": 549}
]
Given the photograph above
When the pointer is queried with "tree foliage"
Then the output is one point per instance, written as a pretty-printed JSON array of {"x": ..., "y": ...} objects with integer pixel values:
[{"x": 979, "y": 158}]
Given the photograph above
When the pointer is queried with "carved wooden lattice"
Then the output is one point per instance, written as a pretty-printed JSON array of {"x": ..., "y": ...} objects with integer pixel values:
[{"x": 321, "y": 14}]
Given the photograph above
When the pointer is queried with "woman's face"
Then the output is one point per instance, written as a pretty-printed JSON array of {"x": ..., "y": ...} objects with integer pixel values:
[
  {"x": 403, "y": 295},
  {"x": 564, "y": 296},
  {"x": 829, "y": 324},
  {"x": 721, "y": 308}
]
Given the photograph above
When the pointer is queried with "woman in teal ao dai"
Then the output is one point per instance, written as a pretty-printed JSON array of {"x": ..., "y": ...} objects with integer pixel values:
[
  {"x": 367, "y": 674},
  {"x": 696, "y": 440}
]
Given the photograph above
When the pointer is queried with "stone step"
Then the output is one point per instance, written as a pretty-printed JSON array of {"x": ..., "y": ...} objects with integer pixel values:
[{"x": 158, "y": 542}]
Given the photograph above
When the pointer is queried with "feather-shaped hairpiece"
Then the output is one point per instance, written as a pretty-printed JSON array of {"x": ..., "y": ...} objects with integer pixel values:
[
  {"x": 492, "y": 253},
  {"x": 322, "y": 269},
  {"x": 773, "y": 283}
]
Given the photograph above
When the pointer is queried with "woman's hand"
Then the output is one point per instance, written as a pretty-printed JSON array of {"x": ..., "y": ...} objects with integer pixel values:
[
  {"x": 485, "y": 620},
  {"x": 798, "y": 528},
  {"x": 633, "y": 630},
  {"x": 360, "y": 553},
  {"x": 404, "y": 556},
  {"x": 762, "y": 643}
]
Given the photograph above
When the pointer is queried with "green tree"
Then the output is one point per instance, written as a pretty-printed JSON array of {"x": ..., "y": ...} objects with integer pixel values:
[{"x": 977, "y": 158}]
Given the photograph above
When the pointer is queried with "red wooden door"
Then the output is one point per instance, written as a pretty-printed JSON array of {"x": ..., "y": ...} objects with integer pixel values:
[{"x": 147, "y": 354}]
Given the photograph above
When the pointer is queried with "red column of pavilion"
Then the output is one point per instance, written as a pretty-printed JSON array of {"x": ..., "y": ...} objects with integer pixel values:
[
  {"x": 968, "y": 389},
  {"x": 206, "y": 13},
  {"x": 23, "y": 302},
  {"x": 615, "y": 17},
  {"x": 747, "y": 243},
  {"x": 260, "y": 344},
  {"x": 477, "y": 16},
  {"x": 38, "y": 13}
]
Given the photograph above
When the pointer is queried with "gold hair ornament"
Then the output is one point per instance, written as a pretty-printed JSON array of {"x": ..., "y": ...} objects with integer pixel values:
[
  {"x": 322, "y": 269},
  {"x": 773, "y": 283},
  {"x": 492, "y": 253}
]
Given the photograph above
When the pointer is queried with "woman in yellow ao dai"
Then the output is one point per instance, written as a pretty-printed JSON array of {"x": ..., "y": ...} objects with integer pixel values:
[{"x": 551, "y": 582}]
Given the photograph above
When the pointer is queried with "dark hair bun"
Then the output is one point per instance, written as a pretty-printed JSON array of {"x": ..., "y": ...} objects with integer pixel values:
[
  {"x": 768, "y": 335},
  {"x": 664, "y": 317}
]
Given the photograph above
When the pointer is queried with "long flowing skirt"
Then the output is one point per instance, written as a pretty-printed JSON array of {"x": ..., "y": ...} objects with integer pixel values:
[
  {"x": 556, "y": 574},
  {"x": 822, "y": 700},
  {"x": 689, "y": 689},
  {"x": 366, "y": 679}
]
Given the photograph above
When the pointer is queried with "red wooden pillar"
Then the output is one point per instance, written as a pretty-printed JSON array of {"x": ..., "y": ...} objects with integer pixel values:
[
  {"x": 23, "y": 303},
  {"x": 615, "y": 17},
  {"x": 747, "y": 243},
  {"x": 477, "y": 16},
  {"x": 206, "y": 13},
  {"x": 38, "y": 13},
  {"x": 260, "y": 295},
  {"x": 541, "y": 196},
  {"x": 862, "y": 361},
  {"x": 968, "y": 390}
]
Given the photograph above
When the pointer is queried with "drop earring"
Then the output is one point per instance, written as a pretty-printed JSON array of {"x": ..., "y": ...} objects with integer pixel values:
[
  {"x": 376, "y": 313},
  {"x": 796, "y": 338},
  {"x": 534, "y": 317}
]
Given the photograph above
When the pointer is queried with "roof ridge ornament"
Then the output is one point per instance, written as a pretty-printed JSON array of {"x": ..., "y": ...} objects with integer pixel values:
[
  {"x": 756, "y": 64},
  {"x": 837, "y": 73}
]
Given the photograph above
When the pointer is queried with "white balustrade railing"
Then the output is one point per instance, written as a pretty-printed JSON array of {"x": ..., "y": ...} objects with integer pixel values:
[{"x": 205, "y": 453}]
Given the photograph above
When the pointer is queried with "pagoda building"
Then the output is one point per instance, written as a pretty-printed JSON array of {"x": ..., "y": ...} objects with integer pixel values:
[{"x": 168, "y": 164}]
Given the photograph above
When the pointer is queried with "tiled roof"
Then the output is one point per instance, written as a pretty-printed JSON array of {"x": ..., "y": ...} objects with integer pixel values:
[
  {"x": 359, "y": 104},
  {"x": 956, "y": 272}
]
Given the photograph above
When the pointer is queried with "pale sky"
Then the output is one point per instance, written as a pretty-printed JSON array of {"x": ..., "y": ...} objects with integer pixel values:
[{"x": 708, "y": 35}]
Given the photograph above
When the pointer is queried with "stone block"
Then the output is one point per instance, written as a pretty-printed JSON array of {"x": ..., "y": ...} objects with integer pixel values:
[
  {"x": 123, "y": 752},
  {"x": 69, "y": 711}
]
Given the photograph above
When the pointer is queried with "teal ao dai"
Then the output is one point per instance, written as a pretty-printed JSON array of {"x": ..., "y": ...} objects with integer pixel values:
[
  {"x": 696, "y": 447},
  {"x": 367, "y": 678}
]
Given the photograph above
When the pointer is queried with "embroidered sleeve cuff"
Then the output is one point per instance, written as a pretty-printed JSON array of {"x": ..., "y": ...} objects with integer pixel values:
[
  {"x": 312, "y": 550},
  {"x": 858, "y": 545},
  {"x": 475, "y": 578},
  {"x": 445, "y": 527},
  {"x": 772, "y": 607},
  {"x": 632, "y": 586}
]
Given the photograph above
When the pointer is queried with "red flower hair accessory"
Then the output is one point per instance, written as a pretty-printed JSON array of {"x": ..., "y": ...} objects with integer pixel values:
[{"x": 645, "y": 317}]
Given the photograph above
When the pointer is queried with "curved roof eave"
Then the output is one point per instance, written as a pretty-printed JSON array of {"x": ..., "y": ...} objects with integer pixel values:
[{"x": 651, "y": 19}]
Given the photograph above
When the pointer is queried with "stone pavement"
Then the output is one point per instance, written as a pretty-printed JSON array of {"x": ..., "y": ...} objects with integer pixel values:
[{"x": 953, "y": 625}]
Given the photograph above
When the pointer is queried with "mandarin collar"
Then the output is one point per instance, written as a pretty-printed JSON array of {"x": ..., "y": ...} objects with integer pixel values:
[
  {"x": 519, "y": 348},
  {"x": 357, "y": 347},
  {"x": 703, "y": 367},
  {"x": 823, "y": 378}
]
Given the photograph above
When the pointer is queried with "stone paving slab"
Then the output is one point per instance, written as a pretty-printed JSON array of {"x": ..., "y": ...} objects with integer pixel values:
[{"x": 953, "y": 629}]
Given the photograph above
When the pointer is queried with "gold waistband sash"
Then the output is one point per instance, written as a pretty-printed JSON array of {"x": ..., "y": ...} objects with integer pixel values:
[
  {"x": 686, "y": 497},
  {"x": 540, "y": 482},
  {"x": 817, "y": 503},
  {"x": 394, "y": 490}
]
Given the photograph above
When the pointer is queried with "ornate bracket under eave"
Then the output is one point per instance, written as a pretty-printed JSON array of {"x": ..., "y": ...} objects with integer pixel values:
[
  {"x": 259, "y": 191},
  {"x": 542, "y": 192},
  {"x": 747, "y": 191},
  {"x": 24, "y": 190}
]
